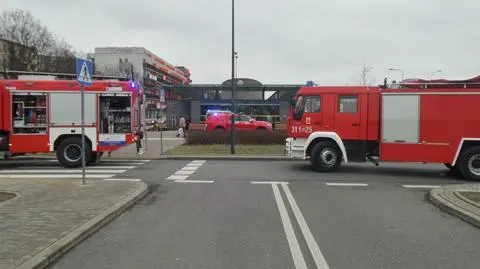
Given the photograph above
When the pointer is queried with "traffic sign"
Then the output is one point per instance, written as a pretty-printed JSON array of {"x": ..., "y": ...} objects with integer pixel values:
[{"x": 84, "y": 72}]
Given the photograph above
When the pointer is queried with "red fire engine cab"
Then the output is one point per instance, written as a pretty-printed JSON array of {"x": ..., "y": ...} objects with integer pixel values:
[
  {"x": 39, "y": 116},
  {"x": 415, "y": 121}
]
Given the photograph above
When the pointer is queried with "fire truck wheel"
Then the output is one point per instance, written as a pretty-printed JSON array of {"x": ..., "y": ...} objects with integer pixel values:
[
  {"x": 325, "y": 157},
  {"x": 469, "y": 164},
  {"x": 69, "y": 152}
]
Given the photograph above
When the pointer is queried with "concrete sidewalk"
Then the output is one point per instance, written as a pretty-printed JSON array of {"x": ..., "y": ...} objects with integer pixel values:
[
  {"x": 48, "y": 217},
  {"x": 450, "y": 199}
]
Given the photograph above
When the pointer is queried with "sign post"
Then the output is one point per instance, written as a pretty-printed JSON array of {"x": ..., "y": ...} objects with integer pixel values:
[
  {"x": 162, "y": 117},
  {"x": 84, "y": 78}
]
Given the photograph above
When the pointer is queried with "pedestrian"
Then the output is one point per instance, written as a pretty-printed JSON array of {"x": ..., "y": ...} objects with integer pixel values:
[
  {"x": 181, "y": 127},
  {"x": 187, "y": 124}
]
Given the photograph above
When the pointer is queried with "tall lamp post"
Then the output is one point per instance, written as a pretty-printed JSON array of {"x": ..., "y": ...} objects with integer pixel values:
[
  {"x": 236, "y": 65},
  {"x": 400, "y": 70},
  {"x": 232, "y": 129}
]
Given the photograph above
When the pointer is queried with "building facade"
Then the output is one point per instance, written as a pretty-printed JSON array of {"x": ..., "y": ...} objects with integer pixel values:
[
  {"x": 151, "y": 71},
  {"x": 269, "y": 102}
]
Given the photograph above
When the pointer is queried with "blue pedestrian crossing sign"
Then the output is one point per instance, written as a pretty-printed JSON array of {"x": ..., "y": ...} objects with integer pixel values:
[{"x": 84, "y": 72}]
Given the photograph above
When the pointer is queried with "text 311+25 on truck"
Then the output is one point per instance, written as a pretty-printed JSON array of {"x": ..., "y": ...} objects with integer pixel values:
[
  {"x": 415, "y": 121},
  {"x": 45, "y": 116}
]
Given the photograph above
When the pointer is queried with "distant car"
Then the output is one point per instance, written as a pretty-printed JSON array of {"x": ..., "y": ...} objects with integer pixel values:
[{"x": 221, "y": 121}]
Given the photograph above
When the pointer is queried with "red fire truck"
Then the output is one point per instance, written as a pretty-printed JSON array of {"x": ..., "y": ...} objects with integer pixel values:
[
  {"x": 415, "y": 121},
  {"x": 40, "y": 116}
]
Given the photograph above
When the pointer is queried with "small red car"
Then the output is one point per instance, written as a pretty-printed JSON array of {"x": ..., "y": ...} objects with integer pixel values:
[{"x": 222, "y": 121}]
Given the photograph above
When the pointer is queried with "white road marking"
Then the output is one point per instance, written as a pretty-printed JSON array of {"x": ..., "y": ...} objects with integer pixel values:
[
  {"x": 176, "y": 177},
  {"x": 194, "y": 181},
  {"x": 346, "y": 184},
  {"x": 123, "y": 179},
  {"x": 88, "y": 167},
  {"x": 421, "y": 186},
  {"x": 298, "y": 259},
  {"x": 190, "y": 168},
  {"x": 57, "y": 176},
  {"x": 114, "y": 161},
  {"x": 194, "y": 165},
  {"x": 66, "y": 171},
  {"x": 184, "y": 172},
  {"x": 268, "y": 182},
  {"x": 312, "y": 244}
]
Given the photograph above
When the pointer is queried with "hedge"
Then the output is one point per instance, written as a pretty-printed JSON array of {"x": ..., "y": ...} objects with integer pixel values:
[{"x": 200, "y": 137}]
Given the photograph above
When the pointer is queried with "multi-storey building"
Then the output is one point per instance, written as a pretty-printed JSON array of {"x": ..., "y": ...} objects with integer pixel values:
[{"x": 151, "y": 71}]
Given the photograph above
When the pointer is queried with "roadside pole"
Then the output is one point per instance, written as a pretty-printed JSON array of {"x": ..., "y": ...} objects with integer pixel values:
[
  {"x": 84, "y": 78},
  {"x": 83, "y": 131},
  {"x": 161, "y": 137},
  {"x": 163, "y": 119}
]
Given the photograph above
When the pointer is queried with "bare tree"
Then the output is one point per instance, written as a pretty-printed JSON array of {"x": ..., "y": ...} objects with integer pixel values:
[
  {"x": 364, "y": 77},
  {"x": 31, "y": 46},
  {"x": 61, "y": 59}
]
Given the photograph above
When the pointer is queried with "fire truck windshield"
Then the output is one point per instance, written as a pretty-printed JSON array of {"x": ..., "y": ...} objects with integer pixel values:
[{"x": 299, "y": 108}]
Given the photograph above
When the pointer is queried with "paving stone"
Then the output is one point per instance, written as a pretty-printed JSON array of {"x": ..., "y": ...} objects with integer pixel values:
[{"x": 45, "y": 211}]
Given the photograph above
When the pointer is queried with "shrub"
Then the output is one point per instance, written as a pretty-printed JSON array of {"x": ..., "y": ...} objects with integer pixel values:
[{"x": 200, "y": 137}]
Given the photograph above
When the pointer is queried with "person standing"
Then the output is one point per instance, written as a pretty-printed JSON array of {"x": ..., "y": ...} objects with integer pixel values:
[{"x": 181, "y": 126}]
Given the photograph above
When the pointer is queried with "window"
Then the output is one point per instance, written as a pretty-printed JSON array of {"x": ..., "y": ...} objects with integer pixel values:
[
  {"x": 29, "y": 113},
  {"x": 299, "y": 108},
  {"x": 348, "y": 104},
  {"x": 242, "y": 118},
  {"x": 312, "y": 104}
]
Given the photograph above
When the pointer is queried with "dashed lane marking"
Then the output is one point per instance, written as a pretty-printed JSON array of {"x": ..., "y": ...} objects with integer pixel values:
[
  {"x": 194, "y": 181},
  {"x": 123, "y": 179},
  {"x": 346, "y": 184},
  {"x": 421, "y": 186},
  {"x": 268, "y": 182}
]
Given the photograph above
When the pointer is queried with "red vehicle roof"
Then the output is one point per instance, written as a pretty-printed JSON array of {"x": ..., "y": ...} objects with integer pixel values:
[{"x": 65, "y": 85}]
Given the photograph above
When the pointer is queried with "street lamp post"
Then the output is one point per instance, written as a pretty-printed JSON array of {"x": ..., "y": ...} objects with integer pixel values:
[
  {"x": 236, "y": 65},
  {"x": 232, "y": 129},
  {"x": 400, "y": 70}
]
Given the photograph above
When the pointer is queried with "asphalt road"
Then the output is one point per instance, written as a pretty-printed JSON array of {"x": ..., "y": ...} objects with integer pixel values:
[{"x": 215, "y": 217}]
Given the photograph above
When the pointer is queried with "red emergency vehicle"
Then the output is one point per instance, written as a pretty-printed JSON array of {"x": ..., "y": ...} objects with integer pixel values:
[
  {"x": 415, "y": 121},
  {"x": 39, "y": 116},
  {"x": 222, "y": 121}
]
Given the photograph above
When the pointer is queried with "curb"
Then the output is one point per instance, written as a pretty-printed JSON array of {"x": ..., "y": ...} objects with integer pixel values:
[
  {"x": 62, "y": 246},
  {"x": 453, "y": 209},
  {"x": 461, "y": 197}
]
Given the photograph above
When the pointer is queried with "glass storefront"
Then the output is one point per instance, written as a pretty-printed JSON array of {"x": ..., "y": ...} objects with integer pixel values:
[{"x": 264, "y": 112}]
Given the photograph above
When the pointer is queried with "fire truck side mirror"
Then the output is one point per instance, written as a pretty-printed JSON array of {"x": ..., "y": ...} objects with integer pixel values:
[{"x": 292, "y": 101}]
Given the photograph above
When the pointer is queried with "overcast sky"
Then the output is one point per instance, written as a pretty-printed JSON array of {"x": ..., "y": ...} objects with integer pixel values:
[{"x": 279, "y": 41}]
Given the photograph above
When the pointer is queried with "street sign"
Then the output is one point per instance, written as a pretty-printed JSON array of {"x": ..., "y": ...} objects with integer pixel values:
[
  {"x": 84, "y": 78},
  {"x": 84, "y": 72}
]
